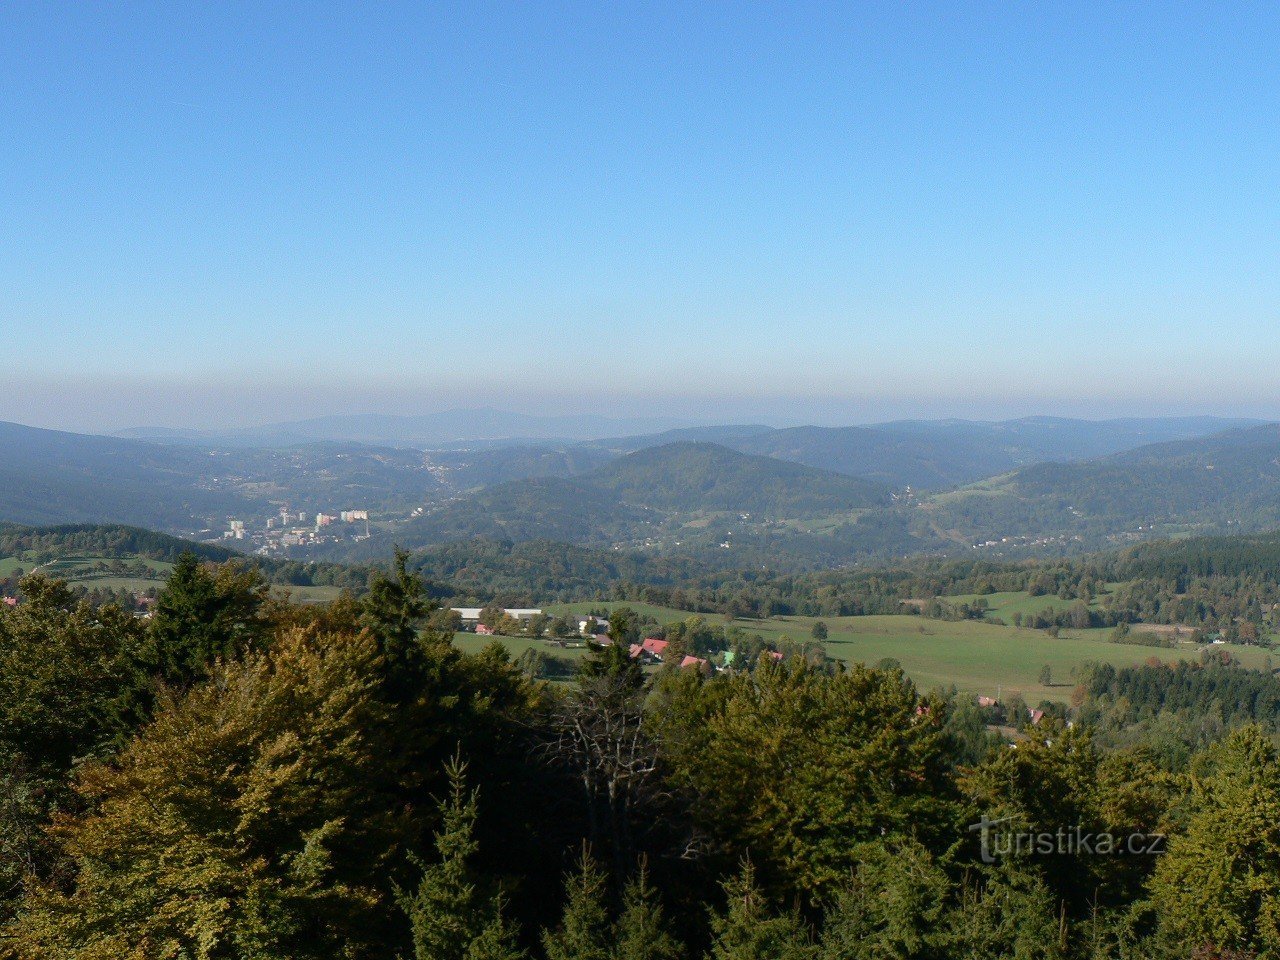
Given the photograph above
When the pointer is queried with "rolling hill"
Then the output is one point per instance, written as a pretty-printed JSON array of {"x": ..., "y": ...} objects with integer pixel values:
[
  {"x": 707, "y": 477},
  {"x": 50, "y": 477},
  {"x": 1226, "y": 482},
  {"x": 680, "y": 495}
]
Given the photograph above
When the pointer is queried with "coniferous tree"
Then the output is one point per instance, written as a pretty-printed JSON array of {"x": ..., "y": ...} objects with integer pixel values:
[
  {"x": 497, "y": 941},
  {"x": 584, "y": 931},
  {"x": 750, "y": 930},
  {"x": 393, "y": 611},
  {"x": 205, "y": 614},
  {"x": 892, "y": 908},
  {"x": 641, "y": 932},
  {"x": 450, "y": 918}
]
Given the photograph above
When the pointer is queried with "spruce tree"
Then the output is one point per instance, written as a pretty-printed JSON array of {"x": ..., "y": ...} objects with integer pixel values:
[
  {"x": 393, "y": 610},
  {"x": 750, "y": 930},
  {"x": 641, "y": 931},
  {"x": 449, "y": 917},
  {"x": 584, "y": 931}
]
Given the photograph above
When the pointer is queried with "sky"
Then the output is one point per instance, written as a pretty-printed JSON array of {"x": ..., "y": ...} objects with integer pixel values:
[{"x": 224, "y": 214}]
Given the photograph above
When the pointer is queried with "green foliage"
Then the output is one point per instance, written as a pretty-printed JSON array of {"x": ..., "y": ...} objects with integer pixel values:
[
  {"x": 1219, "y": 884},
  {"x": 1010, "y": 915},
  {"x": 749, "y": 929},
  {"x": 246, "y": 821},
  {"x": 449, "y": 917},
  {"x": 393, "y": 611},
  {"x": 73, "y": 679},
  {"x": 584, "y": 932},
  {"x": 798, "y": 765},
  {"x": 641, "y": 931},
  {"x": 206, "y": 614},
  {"x": 893, "y": 908}
]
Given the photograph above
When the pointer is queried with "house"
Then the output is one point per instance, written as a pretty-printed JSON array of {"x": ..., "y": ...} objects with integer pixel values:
[
  {"x": 988, "y": 702},
  {"x": 692, "y": 661},
  {"x": 585, "y": 625},
  {"x": 1036, "y": 716},
  {"x": 10, "y": 601},
  {"x": 654, "y": 647},
  {"x": 484, "y": 631},
  {"x": 635, "y": 650}
]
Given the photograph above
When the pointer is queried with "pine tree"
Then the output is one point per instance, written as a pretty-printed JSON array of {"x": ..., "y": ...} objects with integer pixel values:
[
  {"x": 584, "y": 932},
  {"x": 497, "y": 941},
  {"x": 392, "y": 611},
  {"x": 892, "y": 908},
  {"x": 205, "y": 614},
  {"x": 641, "y": 931},
  {"x": 449, "y": 917},
  {"x": 749, "y": 930}
]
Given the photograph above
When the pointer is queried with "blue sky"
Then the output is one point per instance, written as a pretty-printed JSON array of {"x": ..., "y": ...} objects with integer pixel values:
[{"x": 836, "y": 213}]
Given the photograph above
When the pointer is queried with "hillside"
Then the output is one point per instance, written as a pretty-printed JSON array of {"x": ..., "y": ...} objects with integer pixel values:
[
  {"x": 467, "y": 470},
  {"x": 51, "y": 477},
  {"x": 934, "y": 455},
  {"x": 48, "y": 476},
  {"x": 693, "y": 499},
  {"x": 1225, "y": 482},
  {"x": 691, "y": 477}
]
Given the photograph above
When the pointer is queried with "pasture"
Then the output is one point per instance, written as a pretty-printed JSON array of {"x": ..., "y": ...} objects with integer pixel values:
[{"x": 977, "y": 656}]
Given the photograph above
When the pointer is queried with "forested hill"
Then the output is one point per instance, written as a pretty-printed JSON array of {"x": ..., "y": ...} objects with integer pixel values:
[
  {"x": 107, "y": 540},
  {"x": 27, "y": 546},
  {"x": 48, "y": 476},
  {"x": 706, "y": 476},
  {"x": 935, "y": 454},
  {"x": 1205, "y": 485},
  {"x": 681, "y": 498}
]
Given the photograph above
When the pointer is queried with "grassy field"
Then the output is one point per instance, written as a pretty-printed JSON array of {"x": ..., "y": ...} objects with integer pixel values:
[
  {"x": 978, "y": 656},
  {"x": 1004, "y": 605},
  {"x": 134, "y": 574},
  {"x": 308, "y": 594},
  {"x": 470, "y": 643}
]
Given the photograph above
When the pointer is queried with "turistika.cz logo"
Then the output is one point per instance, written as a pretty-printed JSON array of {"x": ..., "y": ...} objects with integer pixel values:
[{"x": 1000, "y": 838}]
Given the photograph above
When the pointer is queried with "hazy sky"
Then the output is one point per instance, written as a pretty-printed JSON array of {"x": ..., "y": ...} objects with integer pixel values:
[{"x": 244, "y": 212}]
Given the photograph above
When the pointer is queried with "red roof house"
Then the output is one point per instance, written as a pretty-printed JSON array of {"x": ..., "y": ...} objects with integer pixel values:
[{"x": 654, "y": 647}]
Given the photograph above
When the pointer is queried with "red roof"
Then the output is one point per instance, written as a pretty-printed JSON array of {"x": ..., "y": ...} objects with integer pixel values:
[
  {"x": 1037, "y": 716},
  {"x": 10, "y": 601},
  {"x": 776, "y": 654},
  {"x": 636, "y": 649},
  {"x": 691, "y": 661},
  {"x": 483, "y": 630},
  {"x": 653, "y": 646}
]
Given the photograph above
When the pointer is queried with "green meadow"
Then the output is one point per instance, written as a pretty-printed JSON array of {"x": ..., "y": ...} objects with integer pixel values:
[{"x": 977, "y": 656}]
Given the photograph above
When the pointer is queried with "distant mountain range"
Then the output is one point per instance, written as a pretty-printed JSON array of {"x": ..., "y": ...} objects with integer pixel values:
[
  {"x": 425, "y": 431},
  {"x": 1226, "y": 482},
  {"x": 50, "y": 476},
  {"x": 746, "y": 495},
  {"x": 924, "y": 455}
]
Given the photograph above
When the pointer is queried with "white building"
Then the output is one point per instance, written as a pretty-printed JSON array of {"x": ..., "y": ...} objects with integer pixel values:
[{"x": 518, "y": 613}]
